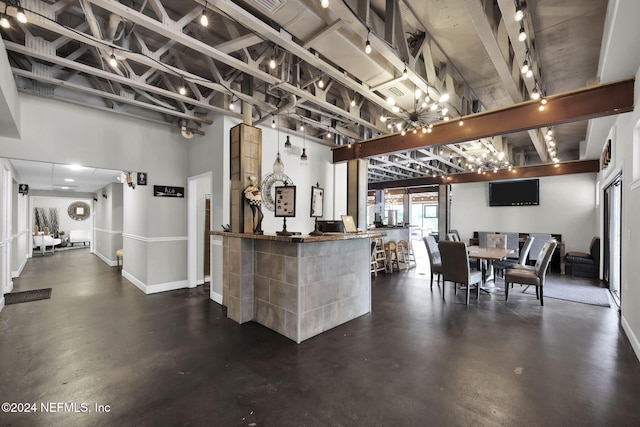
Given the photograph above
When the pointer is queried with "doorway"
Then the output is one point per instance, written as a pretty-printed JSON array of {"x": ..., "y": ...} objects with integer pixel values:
[
  {"x": 198, "y": 228},
  {"x": 612, "y": 267}
]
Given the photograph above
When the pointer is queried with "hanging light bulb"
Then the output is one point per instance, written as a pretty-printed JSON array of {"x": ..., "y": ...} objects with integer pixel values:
[
  {"x": 324, "y": 3},
  {"x": 353, "y": 101},
  {"x": 273, "y": 122},
  {"x": 232, "y": 106},
  {"x": 287, "y": 145},
  {"x": 383, "y": 118},
  {"x": 519, "y": 15},
  {"x": 529, "y": 73},
  {"x": 303, "y": 156},
  {"x": 535, "y": 94},
  {"x": 443, "y": 98},
  {"x": 301, "y": 127},
  {"x": 204, "y": 19},
  {"x": 320, "y": 83},
  {"x": 272, "y": 63},
  {"x": 405, "y": 75},
  {"x": 367, "y": 45},
  {"x": 182, "y": 89},
  {"x": 522, "y": 35},
  {"x": 113, "y": 61},
  {"x": 20, "y": 16},
  {"x": 525, "y": 67},
  {"x": 4, "y": 22}
]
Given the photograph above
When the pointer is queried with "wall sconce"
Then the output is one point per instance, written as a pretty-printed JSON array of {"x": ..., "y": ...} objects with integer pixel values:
[
  {"x": 131, "y": 180},
  {"x": 104, "y": 193}
]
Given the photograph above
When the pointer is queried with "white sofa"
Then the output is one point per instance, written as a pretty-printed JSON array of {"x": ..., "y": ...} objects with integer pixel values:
[{"x": 80, "y": 236}]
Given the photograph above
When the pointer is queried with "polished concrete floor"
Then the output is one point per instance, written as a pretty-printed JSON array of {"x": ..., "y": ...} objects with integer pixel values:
[{"x": 175, "y": 359}]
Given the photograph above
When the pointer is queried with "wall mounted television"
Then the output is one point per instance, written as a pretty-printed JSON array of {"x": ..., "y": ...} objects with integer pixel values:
[{"x": 522, "y": 192}]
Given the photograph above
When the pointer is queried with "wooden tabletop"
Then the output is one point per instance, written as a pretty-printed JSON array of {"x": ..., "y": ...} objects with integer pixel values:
[{"x": 494, "y": 254}]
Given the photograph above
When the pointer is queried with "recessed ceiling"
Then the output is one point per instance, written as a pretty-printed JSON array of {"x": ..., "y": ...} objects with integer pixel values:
[{"x": 71, "y": 178}]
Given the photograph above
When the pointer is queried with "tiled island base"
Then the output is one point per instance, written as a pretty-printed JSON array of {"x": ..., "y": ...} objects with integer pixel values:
[{"x": 297, "y": 287}]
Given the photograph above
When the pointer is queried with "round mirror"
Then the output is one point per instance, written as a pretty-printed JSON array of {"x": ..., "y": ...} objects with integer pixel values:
[{"x": 78, "y": 211}]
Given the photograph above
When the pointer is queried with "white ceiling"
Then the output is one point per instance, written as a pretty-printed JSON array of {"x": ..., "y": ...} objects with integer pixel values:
[{"x": 49, "y": 176}]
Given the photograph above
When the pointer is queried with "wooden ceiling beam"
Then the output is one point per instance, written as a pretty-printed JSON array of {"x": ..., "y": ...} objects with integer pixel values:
[
  {"x": 579, "y": 166},
  {"x": 582, "y": 104}
]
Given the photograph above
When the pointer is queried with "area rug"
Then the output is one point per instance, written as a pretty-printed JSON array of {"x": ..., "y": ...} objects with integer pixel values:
[
  {"x": 27, "y": 296},
  {"x": 585, "y": 294}
]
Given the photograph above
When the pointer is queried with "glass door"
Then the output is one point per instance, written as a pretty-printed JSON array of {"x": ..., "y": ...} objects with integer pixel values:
[{"x": 613, "y": 238}]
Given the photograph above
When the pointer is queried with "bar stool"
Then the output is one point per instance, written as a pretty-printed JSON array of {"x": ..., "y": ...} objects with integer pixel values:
[
  {"x": 379, "y": 257},
  {"x": 392, "y": 253},
  {"x": 402, "y": 254},
  {"x": 406, "y": 255}
]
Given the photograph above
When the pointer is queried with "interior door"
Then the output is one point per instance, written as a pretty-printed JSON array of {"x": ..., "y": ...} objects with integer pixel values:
[
  {"x": 207, "y": 238},
  {"x": 613, "y": 238}
]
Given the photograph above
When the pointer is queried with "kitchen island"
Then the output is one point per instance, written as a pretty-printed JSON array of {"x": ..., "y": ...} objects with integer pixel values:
[{"x": 300, "y": 285}]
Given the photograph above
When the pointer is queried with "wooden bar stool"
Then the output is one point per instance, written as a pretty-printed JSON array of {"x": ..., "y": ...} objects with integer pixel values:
[
  {"x": 379, "y": 256},
  {"x": 391, "y": 252}
]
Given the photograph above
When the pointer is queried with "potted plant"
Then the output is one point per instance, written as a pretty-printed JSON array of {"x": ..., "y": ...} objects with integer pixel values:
[{"x": 62, "y": 238}]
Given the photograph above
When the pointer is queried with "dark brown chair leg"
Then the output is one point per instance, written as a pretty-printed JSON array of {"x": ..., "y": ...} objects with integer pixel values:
[
  {"x": 506, "y": 291},
  {"x": 541, "y": 299}
]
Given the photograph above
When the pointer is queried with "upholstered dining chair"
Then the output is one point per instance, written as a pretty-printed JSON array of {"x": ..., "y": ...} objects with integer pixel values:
[
  {"x": 535, "y": 277},
  {"x": 435, "y": 263},
  {"x": 496, "y": 241},
  {"x": 502, "y": 265},
  {"x": 455, "y": 267},
  {"x": 538, "y": 243},
  {"x": 453, "y": 237}
]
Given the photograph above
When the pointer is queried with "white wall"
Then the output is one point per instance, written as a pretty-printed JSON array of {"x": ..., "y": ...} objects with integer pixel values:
[
  {"x": 108, "y": 223},
  {"x": 318, "y": 169},
  {"x": 51, "y": 133},
  {"x": 20, "y": 231},
  {"x": 65, "y": 222},
  {"x": 567, "y": 207},
  {"x": 627, "y": 160}
]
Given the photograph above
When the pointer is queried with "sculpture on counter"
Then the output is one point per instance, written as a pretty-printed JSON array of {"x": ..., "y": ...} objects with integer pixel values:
[{"x": 253, "y": 196}]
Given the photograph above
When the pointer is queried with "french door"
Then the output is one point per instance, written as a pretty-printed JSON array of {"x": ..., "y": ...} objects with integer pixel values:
[{"x": 613, "y": 237}]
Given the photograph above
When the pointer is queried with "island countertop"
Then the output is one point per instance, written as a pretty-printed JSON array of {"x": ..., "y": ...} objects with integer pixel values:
[{"x": 299, "y": 238}]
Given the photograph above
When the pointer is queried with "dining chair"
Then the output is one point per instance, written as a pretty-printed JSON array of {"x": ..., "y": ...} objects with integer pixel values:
[
  {"x": 435, "y": 262},
  {"x": 455, "y": 267},
  {"x": 538, "y": 243},
  {"x": 453, "y": 237},
  {"x": 502, "y": 265},
  {"x": 535, "y": 277},
  {"x": 496, "y": 241}
]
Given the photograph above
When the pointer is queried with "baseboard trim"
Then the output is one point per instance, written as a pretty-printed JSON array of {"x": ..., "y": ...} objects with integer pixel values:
[
  {"x": 216, "y": 297},
  {"x": 154, "y": 289},
  {"x": 635, "y": 344},
  {"x": 109, "y": 262},
  {"x": 16, "y": 274}
]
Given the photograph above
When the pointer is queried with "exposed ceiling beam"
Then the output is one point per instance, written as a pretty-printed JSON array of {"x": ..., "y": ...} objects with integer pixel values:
[
  {"x": 583, "y": 104},
  {"x": 580, "y": 166}
]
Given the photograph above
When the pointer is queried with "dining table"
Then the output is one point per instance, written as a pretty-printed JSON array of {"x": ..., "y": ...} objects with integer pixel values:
[{"x": 489, "y": 255}]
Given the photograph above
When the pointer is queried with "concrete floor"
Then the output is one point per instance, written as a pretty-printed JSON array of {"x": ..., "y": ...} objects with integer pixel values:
[{"x": 175, "y": 359}]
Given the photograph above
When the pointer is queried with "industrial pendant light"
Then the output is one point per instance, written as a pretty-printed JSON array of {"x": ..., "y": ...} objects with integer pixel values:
[{"x": 204, "y": 19}]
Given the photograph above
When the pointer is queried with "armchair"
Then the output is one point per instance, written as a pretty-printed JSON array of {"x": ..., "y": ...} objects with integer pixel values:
[{"x": 585, "y": 264}]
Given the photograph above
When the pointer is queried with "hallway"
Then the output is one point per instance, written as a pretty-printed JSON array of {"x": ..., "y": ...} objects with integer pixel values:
[{"x": 175, "y": 359}]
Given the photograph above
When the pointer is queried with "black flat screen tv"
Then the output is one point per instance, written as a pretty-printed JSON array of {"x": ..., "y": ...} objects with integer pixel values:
[{"x": 523, "y": 192}]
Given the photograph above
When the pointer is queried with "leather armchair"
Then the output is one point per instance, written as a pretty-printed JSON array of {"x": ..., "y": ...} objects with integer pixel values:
[{"x": 585, "y": 264}]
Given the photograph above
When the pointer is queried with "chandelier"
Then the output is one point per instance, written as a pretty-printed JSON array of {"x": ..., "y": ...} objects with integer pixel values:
[
  {"x": 490, "y": 160},
  {"x": 425, "y": 113}
]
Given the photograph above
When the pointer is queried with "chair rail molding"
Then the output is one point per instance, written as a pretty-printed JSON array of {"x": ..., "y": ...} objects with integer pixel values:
[
  {"x": 154, "y": 239},
  {"x": 102, "y": 230}
]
